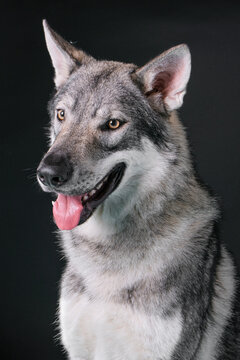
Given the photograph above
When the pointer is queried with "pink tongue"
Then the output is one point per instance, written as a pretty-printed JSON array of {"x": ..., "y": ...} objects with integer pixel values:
[{"x": 67, "y": 211}]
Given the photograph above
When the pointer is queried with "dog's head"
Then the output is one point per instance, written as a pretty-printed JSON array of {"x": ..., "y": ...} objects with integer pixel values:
[{"x": 111, "y": 127}]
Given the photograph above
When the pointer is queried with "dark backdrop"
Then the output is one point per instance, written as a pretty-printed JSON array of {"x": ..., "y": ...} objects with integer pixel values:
[{"x": 30, "y": 258}]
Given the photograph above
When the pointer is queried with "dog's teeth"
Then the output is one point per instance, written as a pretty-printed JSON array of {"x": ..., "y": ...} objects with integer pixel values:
[
  {"x": 92, "y": 192},
  {"x": 85, "y": 197},
  {"x": 53, "y": 202},
  {"x": 105, "y": 179},
  {"x": 99, "y": 185}
]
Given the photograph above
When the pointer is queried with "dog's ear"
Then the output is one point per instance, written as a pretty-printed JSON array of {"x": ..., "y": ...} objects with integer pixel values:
[
  {"x": 164, "y": 79},
  {"x": 65, "y": 57}
]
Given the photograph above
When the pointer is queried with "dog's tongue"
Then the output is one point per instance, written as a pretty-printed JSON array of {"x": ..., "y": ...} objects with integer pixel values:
[{"x": 67, "y": 211}]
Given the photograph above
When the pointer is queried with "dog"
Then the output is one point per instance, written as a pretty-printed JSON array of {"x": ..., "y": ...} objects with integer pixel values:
[{"x": 146, "y": 276}]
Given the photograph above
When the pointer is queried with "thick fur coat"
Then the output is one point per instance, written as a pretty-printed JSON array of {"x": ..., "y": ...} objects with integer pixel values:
[{"x": 146, "y": 276}]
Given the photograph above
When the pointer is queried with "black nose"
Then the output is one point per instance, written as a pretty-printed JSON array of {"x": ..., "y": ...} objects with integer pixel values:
[{"x": 55, "y": 169}]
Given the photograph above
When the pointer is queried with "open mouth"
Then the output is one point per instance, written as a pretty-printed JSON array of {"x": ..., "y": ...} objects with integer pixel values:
[{"x": 70, "y": 211}]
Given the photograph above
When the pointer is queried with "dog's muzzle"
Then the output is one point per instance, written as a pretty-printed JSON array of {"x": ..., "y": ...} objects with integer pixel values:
[{"x": 55, "y": 170}]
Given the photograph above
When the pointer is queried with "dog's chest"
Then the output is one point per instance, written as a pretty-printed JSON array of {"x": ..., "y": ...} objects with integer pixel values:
[{"x": 107, "y": 331}]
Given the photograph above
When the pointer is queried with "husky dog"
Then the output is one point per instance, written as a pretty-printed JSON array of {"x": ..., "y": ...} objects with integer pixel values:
[{"x": 146, "y": 277}]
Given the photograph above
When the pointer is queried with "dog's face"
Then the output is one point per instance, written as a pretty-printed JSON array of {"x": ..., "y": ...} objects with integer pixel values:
[{"x": 106, "y": 120}]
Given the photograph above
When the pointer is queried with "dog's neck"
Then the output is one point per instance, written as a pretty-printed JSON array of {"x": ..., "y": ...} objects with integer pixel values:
[{"x": 96, "y": 247}]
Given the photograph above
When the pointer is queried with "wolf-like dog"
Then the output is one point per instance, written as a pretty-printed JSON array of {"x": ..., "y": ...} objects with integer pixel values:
[{"x": 146, "y": 276}]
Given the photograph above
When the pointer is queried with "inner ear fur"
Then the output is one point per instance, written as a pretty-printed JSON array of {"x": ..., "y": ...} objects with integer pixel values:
[{"x": 164, "y": 79}]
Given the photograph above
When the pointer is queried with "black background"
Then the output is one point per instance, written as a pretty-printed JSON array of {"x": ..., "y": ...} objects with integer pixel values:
[{"x": 130, "y": 32}]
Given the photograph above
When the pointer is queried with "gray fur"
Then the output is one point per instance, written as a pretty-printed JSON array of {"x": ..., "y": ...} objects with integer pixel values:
[{"x": 156, "y": 253}]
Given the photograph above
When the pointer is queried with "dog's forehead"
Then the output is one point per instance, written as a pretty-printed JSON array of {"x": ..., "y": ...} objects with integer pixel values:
[
  {"x": 100, "y": 80},
  {"x": 94, "y": 73}
]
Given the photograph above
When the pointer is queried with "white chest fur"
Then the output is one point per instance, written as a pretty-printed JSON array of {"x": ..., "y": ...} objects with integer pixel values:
[{"x": 107, "y": 331}]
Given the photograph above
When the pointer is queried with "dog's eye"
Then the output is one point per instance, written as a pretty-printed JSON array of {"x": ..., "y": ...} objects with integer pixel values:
[
  {"x": 60, "y": 114},
  {"x": 113, "y": 124}
]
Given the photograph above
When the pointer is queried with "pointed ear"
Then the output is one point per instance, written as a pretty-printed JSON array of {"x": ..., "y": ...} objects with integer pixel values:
[
  {"x": 164, "y": 79},
  {"x": 65, "y": 57}
]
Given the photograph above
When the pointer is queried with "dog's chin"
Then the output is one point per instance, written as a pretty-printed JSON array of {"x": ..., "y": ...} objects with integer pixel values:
[{"x": 70, "y": 211}]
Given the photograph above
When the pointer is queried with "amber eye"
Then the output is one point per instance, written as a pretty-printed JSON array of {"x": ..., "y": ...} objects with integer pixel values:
[
  {"x": 60, "y": 114},
  {"x": 113, "y": 124}
]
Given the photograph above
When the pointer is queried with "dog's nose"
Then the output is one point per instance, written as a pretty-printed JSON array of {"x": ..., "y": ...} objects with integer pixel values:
[{"x": 55, "y": 169}]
